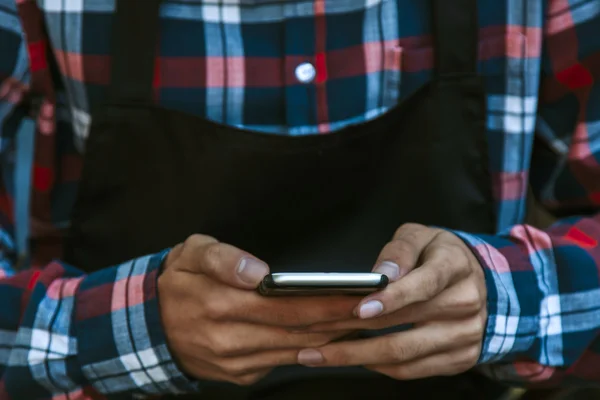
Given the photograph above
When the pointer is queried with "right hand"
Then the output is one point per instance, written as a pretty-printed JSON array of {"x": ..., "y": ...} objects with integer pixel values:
[{"x": 219, "y": 328}]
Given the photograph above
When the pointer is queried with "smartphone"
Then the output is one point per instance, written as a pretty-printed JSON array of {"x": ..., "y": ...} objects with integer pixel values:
[{"x": 321, "y": 283}]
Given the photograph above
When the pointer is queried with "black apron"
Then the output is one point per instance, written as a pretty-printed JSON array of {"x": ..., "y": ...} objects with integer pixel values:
[{"x": 153, "y": 176}]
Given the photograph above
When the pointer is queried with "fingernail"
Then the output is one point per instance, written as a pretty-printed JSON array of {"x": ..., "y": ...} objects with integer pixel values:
[
  {"x": 310, "y": 357},
  {"x": 252, "y": 271},
  {"x": 389, "y": 269},
  {"x": 370, "y": 309}
]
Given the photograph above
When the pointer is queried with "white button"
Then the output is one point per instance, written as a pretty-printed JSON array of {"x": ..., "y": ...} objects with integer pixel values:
[{"x": 305, "y": 72}]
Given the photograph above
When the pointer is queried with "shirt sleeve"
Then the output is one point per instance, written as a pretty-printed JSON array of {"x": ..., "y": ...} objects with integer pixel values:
[
  {"x": 544, "y": 284},
  {"x": 14, "y": 83},
  {"x": 65, "y": 334},
  {"x": 70, "y": 335}
]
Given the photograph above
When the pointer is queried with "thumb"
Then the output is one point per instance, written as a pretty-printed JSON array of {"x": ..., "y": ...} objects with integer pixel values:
[{"x": 225, "y": 263}]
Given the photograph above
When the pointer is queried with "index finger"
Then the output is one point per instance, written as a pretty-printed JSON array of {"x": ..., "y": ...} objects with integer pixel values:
[
  {"x": 201, "y": 254},
  {"x": 294, "y": 312},
  {"x": 442, "y": 265},
  {"x": 401, "y": 254}
]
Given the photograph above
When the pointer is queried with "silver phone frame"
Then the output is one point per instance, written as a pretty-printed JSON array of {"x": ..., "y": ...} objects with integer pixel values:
[
  {"x": 321, "y": 283},
  {"x": 326, "y": 279}
]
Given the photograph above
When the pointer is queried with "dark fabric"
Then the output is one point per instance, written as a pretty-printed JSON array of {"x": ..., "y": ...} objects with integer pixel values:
[
  {"x": 363, "y": 388},
  {"x": 321, "y": 203},
  {"x": 134, "y": 35},
  {"x": 455, "y": 34}
]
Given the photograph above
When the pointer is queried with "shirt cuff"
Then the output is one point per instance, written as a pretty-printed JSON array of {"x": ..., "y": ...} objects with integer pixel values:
[
  {"x": 122, "y": 347},
  {"x": 513, "y": 298}
]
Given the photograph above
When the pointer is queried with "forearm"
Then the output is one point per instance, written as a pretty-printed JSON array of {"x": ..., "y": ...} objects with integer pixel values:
[{"x": 74, "y": 333}]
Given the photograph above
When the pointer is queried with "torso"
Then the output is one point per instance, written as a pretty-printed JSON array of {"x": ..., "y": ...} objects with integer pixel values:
[
  {"x": 245, "y": 74},
  {"x": 329, "y": 203},
  {"x": 366, "y": 59}
]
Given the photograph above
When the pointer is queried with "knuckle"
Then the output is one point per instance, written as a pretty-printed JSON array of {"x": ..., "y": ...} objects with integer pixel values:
[
  {"x": 288, "y": 316},
  {"x": 430, "y": 370},
  {"x": 408, "y": 228},
  {"x": 388, "y": 251},
  {"x": 398, "y": 249},
  {"x": 447, "y": 237},
  {"x": 234, "y": 368},
  {"x": 223, "y": 347},
  {"x": 461, "y": 259},
  {"x": 398, "y": 351},
  {"x": 452, "y": 256},
  {"x": 454, "y": 370},
  {"x": 439, "y": 281},
  {"x": 400, "y": 231},
  {"x": 479, "y": 326},
  {"x": 212, "y": 254},
  {"x": 340, "y": 310},
  {"x": 193, "y": 245},
  {"x": 194, "y": 241},
  {"x": 325, "y": 314},
  {"x": 395, "y": 297},
  {"x": 221, "y": 343},
  {"x": 472, "y": 355},
  {"x": 217, "y": 343},
  {"x": 316, "y": 339},
  {"x": 445, "y": 253},
  {"x": 433, "y": 283},
  {"x": 475, "y": 330},
  {"x": 470, "y": 300},
  {"x": 215, "y": 309},
  {"x": 247, "y": 380},
  {"x": 479, "y": 337},
  {"x": 339, "y": 358},
  {"x": 174, "y": 254},
  {"x": 168, "y": 286},
  {"x": 400, "y": 372},
  {"x": 465, "y": 363},
  {"x": 458, "y": 254}
]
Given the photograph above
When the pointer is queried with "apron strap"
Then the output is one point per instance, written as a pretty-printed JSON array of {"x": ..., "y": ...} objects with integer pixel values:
[
  {"x": 455, "y": 32},
  {"x": 25, "y": 144},
  {"x": 135, "y": 38}
]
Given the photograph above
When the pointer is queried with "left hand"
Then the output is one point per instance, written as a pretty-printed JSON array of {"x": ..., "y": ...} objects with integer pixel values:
[{"x": 438, "y": 285}]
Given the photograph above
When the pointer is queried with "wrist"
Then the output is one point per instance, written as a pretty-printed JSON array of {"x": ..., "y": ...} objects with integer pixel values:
[
  {"x": 121, "y": 342},
  {"x": 513, "y": 314}
]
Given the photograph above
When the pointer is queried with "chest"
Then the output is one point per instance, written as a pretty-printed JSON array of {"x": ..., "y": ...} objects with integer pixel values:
[{"x": 295, "y": 67}]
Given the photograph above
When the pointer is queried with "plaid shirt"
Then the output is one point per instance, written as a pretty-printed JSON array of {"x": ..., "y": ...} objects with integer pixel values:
[{"x": 66, "y": 334}]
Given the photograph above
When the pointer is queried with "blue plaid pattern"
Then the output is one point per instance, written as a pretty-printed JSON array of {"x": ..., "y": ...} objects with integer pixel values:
[{"x": 234, "y": 62}]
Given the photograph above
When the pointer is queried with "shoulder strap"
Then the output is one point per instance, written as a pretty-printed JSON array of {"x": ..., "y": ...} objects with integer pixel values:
[
  {"x": 135, "y": 35},
  {"x": 455, "y": 31}
]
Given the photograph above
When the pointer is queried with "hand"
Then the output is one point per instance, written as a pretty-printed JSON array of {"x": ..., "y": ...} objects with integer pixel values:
[
  {"x": 219, "y": 328},
  {"x": 439, "y": 286}
]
